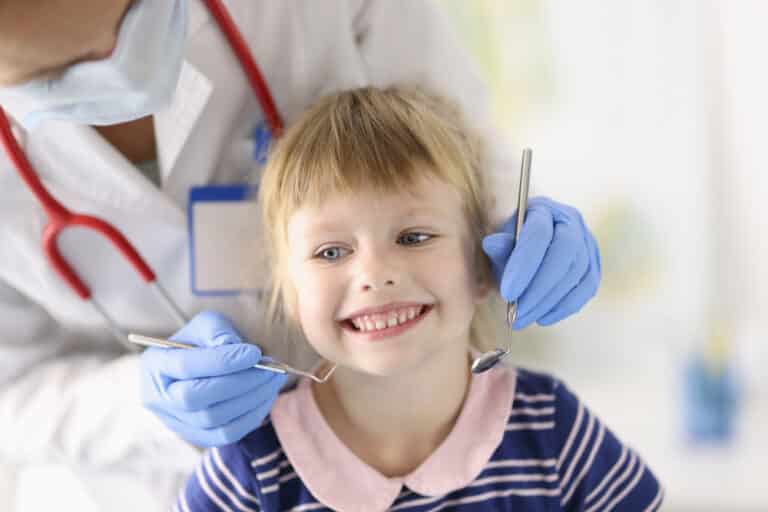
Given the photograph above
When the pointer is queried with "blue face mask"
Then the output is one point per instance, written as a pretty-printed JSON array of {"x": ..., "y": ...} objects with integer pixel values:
[{"x": 138, "y": 79}]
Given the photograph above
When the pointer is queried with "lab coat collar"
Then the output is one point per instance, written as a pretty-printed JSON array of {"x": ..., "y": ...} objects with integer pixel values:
[
  {"x": 85, "y": 172},
  {"x": 96, "y": 170},
  {"x": 313, "y": 448},
  {"x": 174, "y": 124}
]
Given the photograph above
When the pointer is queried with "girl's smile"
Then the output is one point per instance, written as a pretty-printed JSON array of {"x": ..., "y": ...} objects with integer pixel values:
[{"x": 391, "y": 321}]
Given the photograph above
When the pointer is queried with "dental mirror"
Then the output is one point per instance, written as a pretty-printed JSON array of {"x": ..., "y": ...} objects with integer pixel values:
[{"x": 488, "y": 360}]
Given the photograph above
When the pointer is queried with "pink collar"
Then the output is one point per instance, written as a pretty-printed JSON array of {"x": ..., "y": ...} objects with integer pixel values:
[{"x": 324, "y": 463}]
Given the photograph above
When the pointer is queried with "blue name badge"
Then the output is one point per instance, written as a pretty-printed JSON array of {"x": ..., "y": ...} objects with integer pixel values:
[{"x": 225, "y": 241}]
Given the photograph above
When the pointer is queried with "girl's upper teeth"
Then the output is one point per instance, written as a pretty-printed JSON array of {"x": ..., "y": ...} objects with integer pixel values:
[{"x": 384, "y": 320}]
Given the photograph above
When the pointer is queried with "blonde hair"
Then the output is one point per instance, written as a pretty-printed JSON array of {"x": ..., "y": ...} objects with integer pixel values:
[{"x": 383, "y": 139}]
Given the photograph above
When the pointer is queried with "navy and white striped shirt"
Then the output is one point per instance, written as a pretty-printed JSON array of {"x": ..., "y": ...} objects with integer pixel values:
[{"x": 523, "y": 441}]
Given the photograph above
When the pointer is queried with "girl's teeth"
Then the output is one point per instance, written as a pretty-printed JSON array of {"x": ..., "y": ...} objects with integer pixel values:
[{"x": 393, "y": 319}]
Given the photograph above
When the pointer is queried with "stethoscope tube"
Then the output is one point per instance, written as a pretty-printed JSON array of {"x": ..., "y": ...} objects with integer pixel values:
[
  {"x": 59, "y": 217},
  {"x": 248, "y": 64}
]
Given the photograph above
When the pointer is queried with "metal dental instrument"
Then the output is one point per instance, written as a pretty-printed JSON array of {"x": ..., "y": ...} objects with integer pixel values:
[
  {"x": 269, "y": 363},
  {"x": 488, "y": 360}
]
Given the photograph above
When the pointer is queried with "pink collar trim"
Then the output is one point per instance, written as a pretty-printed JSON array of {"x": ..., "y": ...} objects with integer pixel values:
[{"x": 341, "y": 481}]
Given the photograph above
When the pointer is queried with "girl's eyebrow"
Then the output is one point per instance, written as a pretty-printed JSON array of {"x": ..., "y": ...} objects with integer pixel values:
[
  {"x": 413, "y": 211},
  {"x": 421, "y": 210},
  {"x": 337, "y": 227},
  {"x": 325, "y": 226}
]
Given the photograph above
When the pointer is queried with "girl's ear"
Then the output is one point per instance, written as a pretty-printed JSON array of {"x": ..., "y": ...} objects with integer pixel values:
[{"x": 484, "y": 281}]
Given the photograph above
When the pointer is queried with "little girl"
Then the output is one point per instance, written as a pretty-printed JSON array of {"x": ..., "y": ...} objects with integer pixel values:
[{"x": 374, "y": 209}]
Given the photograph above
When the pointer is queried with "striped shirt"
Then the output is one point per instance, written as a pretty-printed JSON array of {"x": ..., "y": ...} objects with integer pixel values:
[{"x": 522, "y": 441}]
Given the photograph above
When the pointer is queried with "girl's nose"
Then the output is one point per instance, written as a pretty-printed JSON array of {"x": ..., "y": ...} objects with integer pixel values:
[
  {"x": 375, "y": 284},
  {"x": 376, "y": 271}
]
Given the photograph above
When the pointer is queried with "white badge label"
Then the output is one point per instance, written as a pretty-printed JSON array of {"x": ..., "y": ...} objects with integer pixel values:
[{"x": 225, "y": 241}]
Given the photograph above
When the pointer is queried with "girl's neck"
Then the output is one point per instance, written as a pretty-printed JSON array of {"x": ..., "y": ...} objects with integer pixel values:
[{"x": 394, "y": 423}]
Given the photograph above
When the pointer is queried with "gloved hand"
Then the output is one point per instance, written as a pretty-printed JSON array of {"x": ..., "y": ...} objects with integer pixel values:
[
  {"x": 211, "y": 395},
  {"x": 554, "y": 268}
]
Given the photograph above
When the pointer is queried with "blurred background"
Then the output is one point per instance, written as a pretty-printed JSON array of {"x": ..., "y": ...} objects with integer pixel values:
[{"x": 650, "y": 117}]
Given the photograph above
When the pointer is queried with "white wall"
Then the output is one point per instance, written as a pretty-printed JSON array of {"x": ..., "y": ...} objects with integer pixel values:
[{"x": 649, "y": 116}]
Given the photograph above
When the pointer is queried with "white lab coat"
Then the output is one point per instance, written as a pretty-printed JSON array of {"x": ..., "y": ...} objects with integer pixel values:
[{"x": 69, "y": 392}]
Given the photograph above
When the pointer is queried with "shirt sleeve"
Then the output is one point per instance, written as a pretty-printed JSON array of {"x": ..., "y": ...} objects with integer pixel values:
[
  {"x": 63, "y": 400},
  {"x": 223, "y": 481},
  {"x": 596, "y": 470}
]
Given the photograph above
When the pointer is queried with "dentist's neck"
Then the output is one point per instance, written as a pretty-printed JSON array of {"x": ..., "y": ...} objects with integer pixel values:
[
  {"x": 395, "y": 423},
  {"x": 134, "y": 139}
]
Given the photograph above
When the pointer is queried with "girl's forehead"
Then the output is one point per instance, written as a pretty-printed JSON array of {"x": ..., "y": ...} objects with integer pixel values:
[
  {"x": 424, "y": 196},
  {"x": 342, "y": 213}
]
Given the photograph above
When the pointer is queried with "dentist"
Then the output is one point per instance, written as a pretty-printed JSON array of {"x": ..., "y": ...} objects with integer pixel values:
[{"x": 154, "y": 115}]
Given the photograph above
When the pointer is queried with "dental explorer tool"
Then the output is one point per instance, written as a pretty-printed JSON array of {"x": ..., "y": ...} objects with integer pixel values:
[{"x": 269, "y": 363}]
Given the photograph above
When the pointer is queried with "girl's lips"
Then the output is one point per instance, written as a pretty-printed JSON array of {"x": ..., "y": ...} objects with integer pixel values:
[{"x": 387, "y": 332}]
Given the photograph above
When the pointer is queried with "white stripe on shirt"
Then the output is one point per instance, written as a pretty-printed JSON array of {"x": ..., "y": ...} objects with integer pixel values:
[
  {"x": 266, "y": 458},
  {"x": 478, "y": 497},
  {"x": 209, "y": 492},
  {"x": 213, "y": 477},
  {"x": 571, "y": 436},
  {"x": 656, "y": 501},
  {"x": 629, "y": 488},
  {"x": 531, "y": 425},
  {"x": 234, "y": 483},
  {"x": 609, "y": 492},
  {"x": 183, "y": 502},
  {"x": 517, "y": 463},
  {"x": 595, "y": 448},
  {"x": 496, "y": 494},
  {"x": 308, "y": 506},
  {"x": 530, "y": 477},
  {"x": 579, "y": 451},
  {"x": 276, "y": 486},
  {"x": 539, "y": 397},
  {"x": 536, "y": 477},
  {"x": 531, "y": 411},
  {"x": 607, "y": 478},
  {"x": 264, "y": 475}
]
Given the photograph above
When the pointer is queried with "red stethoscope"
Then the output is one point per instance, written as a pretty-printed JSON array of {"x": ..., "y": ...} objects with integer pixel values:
[{"x": 60, "y": 218}]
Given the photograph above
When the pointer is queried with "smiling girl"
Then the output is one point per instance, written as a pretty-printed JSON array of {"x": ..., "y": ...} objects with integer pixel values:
[{"x": 375, "y": 208}]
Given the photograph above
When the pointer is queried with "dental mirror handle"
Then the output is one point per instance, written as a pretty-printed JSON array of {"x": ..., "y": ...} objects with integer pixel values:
[
  {"x": 488, "y": 360},
  {"x": 522, "y": 206}
]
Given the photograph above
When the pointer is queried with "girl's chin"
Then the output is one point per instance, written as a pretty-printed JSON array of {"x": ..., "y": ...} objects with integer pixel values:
[{"x": 381, "y": 365}]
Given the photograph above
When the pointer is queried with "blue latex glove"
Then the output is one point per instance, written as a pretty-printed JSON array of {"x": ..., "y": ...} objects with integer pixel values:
[
  {"x": 555, "y": 266},
  {"x": 210, "y": 396}
]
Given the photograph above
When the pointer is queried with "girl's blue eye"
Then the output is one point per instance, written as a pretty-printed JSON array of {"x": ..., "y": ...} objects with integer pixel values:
[
  {"x": 414, "y": 238},
  {"x": 331, "y": 253}
]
